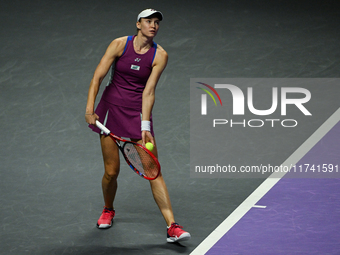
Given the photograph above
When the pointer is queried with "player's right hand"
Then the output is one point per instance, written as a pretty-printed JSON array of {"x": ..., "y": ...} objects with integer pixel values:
[{"x": 91, "y": 118}]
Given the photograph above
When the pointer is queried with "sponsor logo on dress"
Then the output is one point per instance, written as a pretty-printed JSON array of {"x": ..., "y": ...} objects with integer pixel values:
[{"x": 134, "y": 67}]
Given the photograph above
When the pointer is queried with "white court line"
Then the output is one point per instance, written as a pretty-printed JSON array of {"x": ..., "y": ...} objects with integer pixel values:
[
  {"x": 253, "y": 198},
  {"x": 260, "y": 206}
]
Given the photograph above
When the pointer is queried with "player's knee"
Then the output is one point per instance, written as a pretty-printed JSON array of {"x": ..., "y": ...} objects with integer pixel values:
[{"x": 111, "y": 173}]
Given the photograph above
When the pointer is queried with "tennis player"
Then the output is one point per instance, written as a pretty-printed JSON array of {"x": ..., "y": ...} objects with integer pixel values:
[{"x": 125, "y": 108}]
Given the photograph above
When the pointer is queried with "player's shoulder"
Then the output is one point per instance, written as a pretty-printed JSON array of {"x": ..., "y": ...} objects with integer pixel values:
[
  {"x": 161, "y": 52},
  {"x": 161, "y": 57},
  {"x": 117, "y": 46},
  {"x": 119, "y": 42}
]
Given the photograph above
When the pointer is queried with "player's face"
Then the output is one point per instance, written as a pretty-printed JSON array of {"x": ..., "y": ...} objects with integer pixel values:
[{"x": 148, "y": 26}]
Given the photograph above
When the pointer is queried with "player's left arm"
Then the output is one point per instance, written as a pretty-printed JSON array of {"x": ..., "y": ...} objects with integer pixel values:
[{"x": 158, "y": 67}]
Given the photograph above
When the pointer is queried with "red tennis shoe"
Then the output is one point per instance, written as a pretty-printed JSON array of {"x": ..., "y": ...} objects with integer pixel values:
[
  {"x": 106, "y": 219},
  {"x": 175, "y": 233}
]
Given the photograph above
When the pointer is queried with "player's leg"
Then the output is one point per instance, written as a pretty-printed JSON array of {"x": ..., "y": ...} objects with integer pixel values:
[
  {"x": 109, "y": 181},
  {"x": 160, "y": 193},
  {"x": 111, "y": 164},
  {"x": 161, "y": 196}
]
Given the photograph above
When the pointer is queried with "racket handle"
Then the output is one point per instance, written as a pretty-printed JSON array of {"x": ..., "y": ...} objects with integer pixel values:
[{"x": 102, "y": 127}]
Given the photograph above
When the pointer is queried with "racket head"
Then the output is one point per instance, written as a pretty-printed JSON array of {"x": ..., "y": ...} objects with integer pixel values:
[{"x": 141, "y": 160}]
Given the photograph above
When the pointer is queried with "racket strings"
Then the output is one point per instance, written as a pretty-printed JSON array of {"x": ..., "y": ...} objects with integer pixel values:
[{"x": 141, "y": 160}]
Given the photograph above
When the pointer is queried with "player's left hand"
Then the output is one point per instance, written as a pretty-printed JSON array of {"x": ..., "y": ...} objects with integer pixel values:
[{"x": 147, "y": 138}]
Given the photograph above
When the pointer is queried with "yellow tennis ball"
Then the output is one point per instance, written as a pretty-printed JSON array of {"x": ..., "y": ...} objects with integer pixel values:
[{"x": 149, "y": 146}]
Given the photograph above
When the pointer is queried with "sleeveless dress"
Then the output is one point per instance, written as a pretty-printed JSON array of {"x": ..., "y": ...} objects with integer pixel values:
[{"x": 120, "y": 106}]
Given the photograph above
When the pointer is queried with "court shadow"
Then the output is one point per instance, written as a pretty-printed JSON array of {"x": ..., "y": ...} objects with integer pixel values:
[
  {"x": 147, "y": 249},
  {"x": 109, "y": 242}
]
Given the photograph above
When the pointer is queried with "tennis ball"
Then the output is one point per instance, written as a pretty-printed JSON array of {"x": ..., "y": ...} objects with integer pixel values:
[{"x": 149, "y": 146}]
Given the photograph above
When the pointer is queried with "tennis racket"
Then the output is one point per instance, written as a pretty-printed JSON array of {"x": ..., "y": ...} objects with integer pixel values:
[{"x": 139, "y": 158}]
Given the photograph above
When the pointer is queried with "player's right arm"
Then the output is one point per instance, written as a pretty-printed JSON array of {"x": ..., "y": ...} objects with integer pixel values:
[{"x": 115, "y": 49}]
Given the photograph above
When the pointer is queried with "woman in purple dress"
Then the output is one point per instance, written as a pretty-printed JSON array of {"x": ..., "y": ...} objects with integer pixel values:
[{"x": 125, "y": 108}]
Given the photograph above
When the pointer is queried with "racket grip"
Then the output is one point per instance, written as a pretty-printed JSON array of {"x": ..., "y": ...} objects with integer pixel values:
[{"x": 102, "y": 127}]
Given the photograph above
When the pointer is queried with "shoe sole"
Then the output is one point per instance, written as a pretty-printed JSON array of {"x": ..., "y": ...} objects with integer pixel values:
[
  {"x": 183, "y": 237},
  {"x": 105, "y": 226}
]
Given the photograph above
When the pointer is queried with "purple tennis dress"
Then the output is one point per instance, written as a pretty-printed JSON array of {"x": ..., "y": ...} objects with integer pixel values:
[{"x": 121, "y": 104}]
